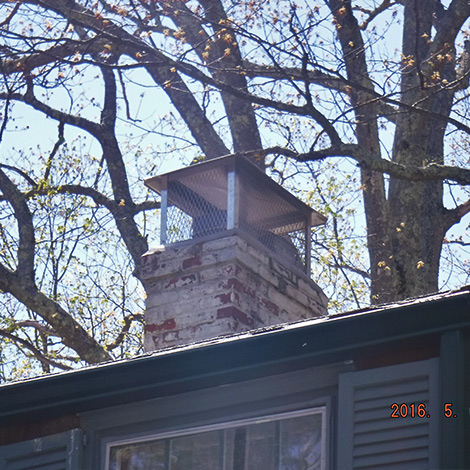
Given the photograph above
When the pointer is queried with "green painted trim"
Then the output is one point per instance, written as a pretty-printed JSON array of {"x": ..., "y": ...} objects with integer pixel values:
[
  {"x": 454, "y": 436},
  {"x": 359, "y": 395},
  {"x": 62, "y": 450}
]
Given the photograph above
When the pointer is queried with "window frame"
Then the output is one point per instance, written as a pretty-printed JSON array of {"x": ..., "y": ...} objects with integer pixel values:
[
  {"x": 291, "y": 390},
  {"x": 230, "y": 424}
]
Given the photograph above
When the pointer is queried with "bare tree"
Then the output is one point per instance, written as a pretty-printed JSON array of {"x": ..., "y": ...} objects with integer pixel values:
[{"x": 299, "y": 87}]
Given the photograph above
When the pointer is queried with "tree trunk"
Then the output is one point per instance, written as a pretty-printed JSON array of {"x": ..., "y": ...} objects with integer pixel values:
[{"x": 416, "y": 212}]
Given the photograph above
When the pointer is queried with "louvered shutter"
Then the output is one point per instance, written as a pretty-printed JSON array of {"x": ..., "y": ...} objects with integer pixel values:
[
  {"x": 368, "y": 438},
  {"x": 57, "y": 452}
]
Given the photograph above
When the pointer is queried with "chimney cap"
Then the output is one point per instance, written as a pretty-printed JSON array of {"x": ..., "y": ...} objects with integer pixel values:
[{"x": 218, "y": 169}]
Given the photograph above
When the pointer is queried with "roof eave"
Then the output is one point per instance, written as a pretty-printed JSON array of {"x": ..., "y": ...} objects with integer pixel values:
[{"x": 232, "y": 359}]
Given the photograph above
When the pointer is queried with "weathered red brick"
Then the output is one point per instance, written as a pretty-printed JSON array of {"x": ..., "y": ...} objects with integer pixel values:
[
  {"x": 172, "y": 282},
  {"x": 190, "y": 262},
  {"x": 271, "y": 306},
  {"x": 168, "y": 324},
  {"x": 227, "y": 312},
  {"x": 236, "y": 284},
  {"x": 224, "y": 298}
]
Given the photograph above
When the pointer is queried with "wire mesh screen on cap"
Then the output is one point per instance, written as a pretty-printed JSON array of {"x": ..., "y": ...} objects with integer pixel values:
[
  {"x": 270, "y": 219},
  {"x": 209, "y": 198},
  {"x": 197, "y": 206},
  {"x": 262, "y": 214}
]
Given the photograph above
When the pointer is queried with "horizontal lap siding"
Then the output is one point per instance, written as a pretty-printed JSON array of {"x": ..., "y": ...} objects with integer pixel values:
[{"x": 369, "y": 438}]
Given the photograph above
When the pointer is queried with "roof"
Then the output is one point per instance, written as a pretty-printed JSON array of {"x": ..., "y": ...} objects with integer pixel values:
[{"x": 236, "y": 358}]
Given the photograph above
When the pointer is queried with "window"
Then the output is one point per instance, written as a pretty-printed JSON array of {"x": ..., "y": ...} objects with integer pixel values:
[{"x": 287, "y": 441}]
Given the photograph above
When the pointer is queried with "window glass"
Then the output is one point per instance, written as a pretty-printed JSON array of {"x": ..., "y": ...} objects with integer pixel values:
[
  {"x": 198, "y": 451},
  {"x": 138, "y": 456},
  {"x": 289, "y": 441},
  {"x": 301, "y": 443}
]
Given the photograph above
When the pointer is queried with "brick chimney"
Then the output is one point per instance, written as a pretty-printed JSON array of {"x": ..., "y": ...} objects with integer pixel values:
[{"x": 234, "y": 255}]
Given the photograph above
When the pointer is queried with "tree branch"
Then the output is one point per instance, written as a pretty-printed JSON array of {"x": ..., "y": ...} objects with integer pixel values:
[
  {"x": 13, "y": 12},
  {"x": 425, "y": 173},
  {"x": 455, "y": 215},
  {"x": 128, "y": 319},
  {"x": 99, "y": 198},
  {"x": 160, "y": 66},
  {"x": 60, "y": 52},
  {"x": 463, "y": 209},
  {"x": 55, "y": 149},
  {"x": 451, "y": 23},
  {"x": 42, "y": 329},
  {"x": 372, "y": 14},
  {"x": 76, "y": 121},
  {"x": 456, "y": 242},
  {"x": 22, "y": 173},
  {"x": 36, "y": 353},
  {"x": 147, "y": 206},
  {"x": 72, "y": 333},
  {"x": 24, "y": 218}
]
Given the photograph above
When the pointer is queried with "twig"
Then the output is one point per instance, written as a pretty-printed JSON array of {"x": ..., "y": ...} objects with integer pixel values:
[{"x": 36, "y": 353}]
